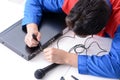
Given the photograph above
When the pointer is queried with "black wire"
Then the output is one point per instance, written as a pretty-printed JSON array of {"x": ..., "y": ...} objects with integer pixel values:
[
  {"x": 87, "y": 40},
  {"x": 86, "y": 48},
  {"x": 82, "y": 46}
]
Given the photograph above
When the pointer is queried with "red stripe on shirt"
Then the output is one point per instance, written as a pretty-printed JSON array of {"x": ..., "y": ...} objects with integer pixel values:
[
  {"x": 68, "y": 5},
  {"x": 114, "y": 20}
]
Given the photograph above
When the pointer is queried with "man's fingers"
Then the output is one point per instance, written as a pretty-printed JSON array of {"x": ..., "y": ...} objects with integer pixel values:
[
  {"x": 38, "y": 36},
  {"x": 46, "y": 50},
  {"x": 31, "y": 42}
]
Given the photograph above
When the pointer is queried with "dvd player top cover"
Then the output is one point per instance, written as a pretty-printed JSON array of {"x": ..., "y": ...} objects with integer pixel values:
[{"x": 51, "y": 28}]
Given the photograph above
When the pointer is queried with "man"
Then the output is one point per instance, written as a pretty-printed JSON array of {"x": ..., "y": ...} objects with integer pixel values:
[{"x": 84, "y": 17}]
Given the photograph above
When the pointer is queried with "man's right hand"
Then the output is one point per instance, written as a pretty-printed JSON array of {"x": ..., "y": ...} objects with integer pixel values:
[{"x": 32, "y": 29}]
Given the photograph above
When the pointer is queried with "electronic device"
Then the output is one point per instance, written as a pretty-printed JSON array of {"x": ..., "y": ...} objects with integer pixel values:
[
  {"x": 40, "y": 73},
  {"x": 51, "y": 27}
]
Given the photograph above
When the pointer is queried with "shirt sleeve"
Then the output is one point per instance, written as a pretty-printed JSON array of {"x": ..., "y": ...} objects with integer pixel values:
[
  {"x": 34, "y": 8},
  {"x": 103, "y": 66}
]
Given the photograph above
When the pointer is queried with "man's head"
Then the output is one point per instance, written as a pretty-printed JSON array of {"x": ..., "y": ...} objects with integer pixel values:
[{"x": 88, "y": 17}]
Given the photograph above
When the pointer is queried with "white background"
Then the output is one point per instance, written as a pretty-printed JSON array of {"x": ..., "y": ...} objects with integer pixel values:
[{"x": 13, "y": 67}]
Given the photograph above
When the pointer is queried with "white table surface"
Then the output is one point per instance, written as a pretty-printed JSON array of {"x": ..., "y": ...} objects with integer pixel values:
[{"x": 13, "y": 67}]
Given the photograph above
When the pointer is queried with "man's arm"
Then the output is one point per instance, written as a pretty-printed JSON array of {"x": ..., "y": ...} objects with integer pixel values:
[
  {"x": 34, "y": 8},
  {"x": 32, "y": 12},
  {"x": 32, "y": 16},
  {"x": 104, "y": 66}
]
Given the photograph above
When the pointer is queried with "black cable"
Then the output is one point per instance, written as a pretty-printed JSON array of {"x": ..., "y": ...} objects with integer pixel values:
[
  {"x": 86, "y": 48},
  {"x": 82, "y": 45}
]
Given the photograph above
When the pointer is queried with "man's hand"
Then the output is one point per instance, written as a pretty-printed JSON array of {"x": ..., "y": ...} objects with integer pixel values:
[
  {"x": 32, "y": 29},
  {"x": 60, "y": 56}
]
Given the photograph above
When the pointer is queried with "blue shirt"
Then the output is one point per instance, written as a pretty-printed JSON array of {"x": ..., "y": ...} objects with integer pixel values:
[{"x": 34, "y": 8}]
